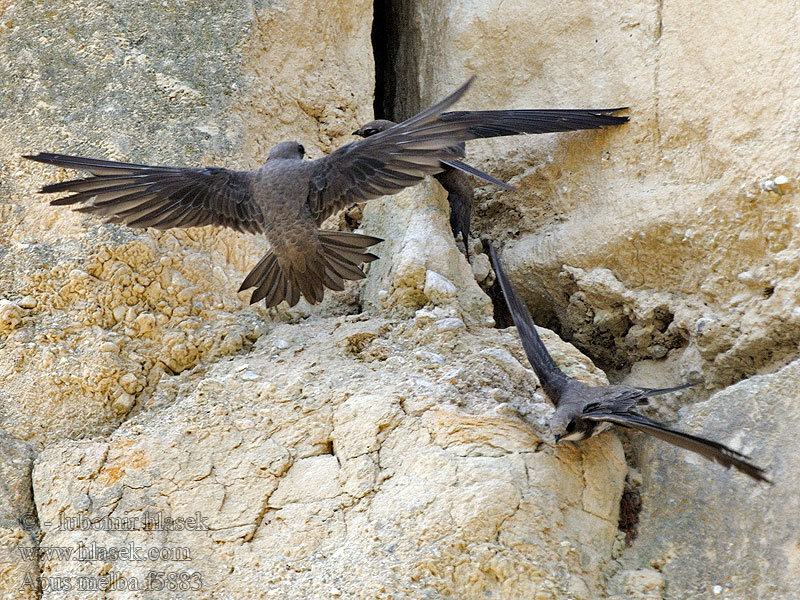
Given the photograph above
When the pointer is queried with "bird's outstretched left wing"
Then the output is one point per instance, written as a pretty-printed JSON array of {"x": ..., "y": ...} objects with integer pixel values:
[
  {"x": 161, "y": 197},
  {"x": 498, "y": 123}
]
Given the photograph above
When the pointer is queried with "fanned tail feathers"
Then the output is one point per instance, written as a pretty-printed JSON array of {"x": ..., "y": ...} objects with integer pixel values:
[{"x": 342, "y": 255}]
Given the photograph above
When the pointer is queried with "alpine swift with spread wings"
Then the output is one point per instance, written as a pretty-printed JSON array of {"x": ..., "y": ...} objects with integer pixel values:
[{"x": 285, "y": 200}]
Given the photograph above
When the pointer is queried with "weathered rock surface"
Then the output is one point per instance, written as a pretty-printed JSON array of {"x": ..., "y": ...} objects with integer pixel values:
[
  {"x": 693, "y": 203},
  {"x": 740, "y": 534},
  {"x": 19, "y": 524},
  {"x": 425, "y": 266},
  {"x": 92, "y": 314},
  {"x": 353, "y": 457},
  {"x": 389, "y": 443}
]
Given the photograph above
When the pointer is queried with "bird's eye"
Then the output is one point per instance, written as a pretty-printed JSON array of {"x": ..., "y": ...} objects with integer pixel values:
[
  {"x": 301, "y": 150},
  {"x": 370, "y": 131},
  {"x": 571, "y": 427}
]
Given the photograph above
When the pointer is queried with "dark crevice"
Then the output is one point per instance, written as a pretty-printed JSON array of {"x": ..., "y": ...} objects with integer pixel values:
[
  {"x": 630, "y": 505},
  {"x": 502, "y": 317},
  {"x": 394, "y": 32},
  {"x": 383, "y": 85}
]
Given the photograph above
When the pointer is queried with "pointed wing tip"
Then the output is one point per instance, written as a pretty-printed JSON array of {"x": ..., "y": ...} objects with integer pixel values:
[
  {"x": 761, "y": 476},
  {"x": 751, "y": 470},
  {"x": 65, "y": 201}
]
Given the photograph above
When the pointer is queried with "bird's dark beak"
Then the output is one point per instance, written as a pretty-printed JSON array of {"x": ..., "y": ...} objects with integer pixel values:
[
  {"x": 557, "y": 437},
  {"x": 357, "y": 132}
]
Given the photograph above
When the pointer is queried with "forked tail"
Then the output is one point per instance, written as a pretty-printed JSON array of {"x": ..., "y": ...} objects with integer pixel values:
[{"x": 341, "y": 258}]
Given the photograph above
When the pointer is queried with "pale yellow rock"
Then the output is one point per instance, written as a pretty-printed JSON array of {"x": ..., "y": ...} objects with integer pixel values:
[
  {"x": 300, "y": 482},
  {"x": 673, "y": 202},
  {"x": 402, "y": 452},
  {"x": 226, "y": 86},
  {"x": 425, "y": 267}
]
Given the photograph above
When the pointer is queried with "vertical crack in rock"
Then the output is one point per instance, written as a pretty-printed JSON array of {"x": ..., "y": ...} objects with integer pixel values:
[
  {"x": 19, "y": 520},
  {"x": 659, "y": 28},
  {"x": 397, "y": 94},
  {"x": 33, "y": 527},
  {"x": 501, "y": 314}
]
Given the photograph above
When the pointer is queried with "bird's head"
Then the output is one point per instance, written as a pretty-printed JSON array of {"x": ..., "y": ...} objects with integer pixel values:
[
  {"x": 565, "y": 426},
  {"x": 373, "y": 127},
  {"x": 286, "y": 150}
]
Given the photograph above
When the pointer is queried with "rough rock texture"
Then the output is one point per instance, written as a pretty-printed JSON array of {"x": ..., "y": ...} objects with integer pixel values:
[
  {"x": 389, "y": 443},
  {"x": 353, "y": 457},
  {"x": 19, "y": 524},
  {"x": 694, "y": 202},
  {"x": 425, "y": 266},
  {"x": 744, "y": 532},
  {"x": 667, "y": 249},
  {"x": 92, "y": 314}
]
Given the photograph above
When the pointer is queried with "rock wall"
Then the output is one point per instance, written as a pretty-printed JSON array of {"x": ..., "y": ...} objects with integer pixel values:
[{"x": 391, "y": 443}]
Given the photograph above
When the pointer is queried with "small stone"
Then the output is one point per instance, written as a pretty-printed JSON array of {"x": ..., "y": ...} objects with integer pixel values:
[
  {"x": 424, "y": 317},
  {"x": 450, "y": 324},
  {"x": 770, "y": 186},
  {"x": 281, "y": 344},
  {"x": 482, "y": 269},
  {"x": 657, "y": 351},
  {"x": 123, "y": 403},
  {"x": 10, "y": 315},
  {"x": 128, "y": 382},
  {"x": 145, "y": 322},
  {"x": 109, "y": 347},
  {"x": 438, "y": 289},
  {"x": 747, "y": 277},
  {"x": 430, "y": 356},
  {"x": 119, "y": 312},
  {"x": 250, "y": 376},
  {"x": 27, "y": 302}
]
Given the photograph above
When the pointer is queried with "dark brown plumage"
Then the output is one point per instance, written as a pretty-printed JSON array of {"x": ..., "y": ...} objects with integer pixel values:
[
  {"x": 583, "y": 410},
  {"x": 285, "y": 200},
  {"x": 496, "y": 123}
]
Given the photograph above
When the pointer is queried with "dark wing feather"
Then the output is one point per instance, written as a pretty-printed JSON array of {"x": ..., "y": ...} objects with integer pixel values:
[
  {"x": 719, "y": 453},
  {"x": 550, "y": 376},
  {"x": 498, "y": 123},
  {"x": 387, "y": 162},
  {"x": 161, "y": 197},
  {"x": 462, "y": 166}
]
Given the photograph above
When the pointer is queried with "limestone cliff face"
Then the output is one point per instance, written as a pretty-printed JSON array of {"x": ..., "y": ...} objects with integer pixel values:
[{"x": 391, "y": 443}]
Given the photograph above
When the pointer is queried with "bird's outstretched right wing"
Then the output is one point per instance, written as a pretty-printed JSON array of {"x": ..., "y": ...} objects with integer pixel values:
[
  {"x": 719, "y": 453},
  {"x": 161, "y": 197},
  {"x": 498, "y": 123},
  {"x": 388, "y": 161}
]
